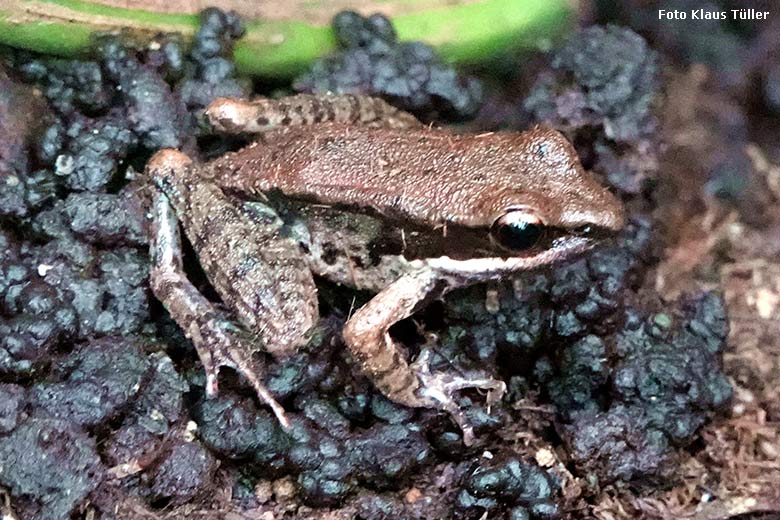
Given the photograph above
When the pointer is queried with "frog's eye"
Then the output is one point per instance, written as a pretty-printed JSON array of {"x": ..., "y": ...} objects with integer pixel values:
[{"x": 517, "y": 230}]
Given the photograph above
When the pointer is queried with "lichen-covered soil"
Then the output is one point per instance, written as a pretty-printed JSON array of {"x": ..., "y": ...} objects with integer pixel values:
[{"x": 642, "y": 378}]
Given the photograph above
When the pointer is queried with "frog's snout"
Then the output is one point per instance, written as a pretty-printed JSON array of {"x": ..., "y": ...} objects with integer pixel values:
[
  {"x": 592, "y": 204},
  {"x": 612, "y": 217}
]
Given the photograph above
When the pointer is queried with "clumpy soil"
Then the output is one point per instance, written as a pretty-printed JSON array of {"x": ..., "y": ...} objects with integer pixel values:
[{"x": 641, "y": 377}]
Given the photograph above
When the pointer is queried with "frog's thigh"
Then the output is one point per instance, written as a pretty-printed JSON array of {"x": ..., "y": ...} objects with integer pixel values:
[
  {"x": 259, "y": 273},
  {"x": 214, "y": 337},
  {"x": 235, "y": 116}
]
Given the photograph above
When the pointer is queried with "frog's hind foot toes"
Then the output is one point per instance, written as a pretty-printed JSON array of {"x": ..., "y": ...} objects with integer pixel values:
[
  {"x": 225, "y": 348},
  {"x": 439, "y": 390}
]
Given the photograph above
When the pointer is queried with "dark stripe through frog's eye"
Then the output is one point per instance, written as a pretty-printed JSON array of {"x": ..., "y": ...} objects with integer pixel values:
[
  {"x": 517, "y": 230},
  {"x": 585, "y": 231}
]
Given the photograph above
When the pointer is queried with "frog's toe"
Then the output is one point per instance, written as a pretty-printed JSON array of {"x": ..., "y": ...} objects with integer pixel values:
[
  {"x": 227, "y": 349},
  {"x": 440, "y": 389}
]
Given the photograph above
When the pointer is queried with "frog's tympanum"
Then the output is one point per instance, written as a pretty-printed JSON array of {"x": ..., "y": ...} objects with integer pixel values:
[{"x": 351, "y": 189}]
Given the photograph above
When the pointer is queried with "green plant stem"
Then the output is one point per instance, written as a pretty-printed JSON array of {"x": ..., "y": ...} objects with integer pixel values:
[{"x": 463, "y": 33}]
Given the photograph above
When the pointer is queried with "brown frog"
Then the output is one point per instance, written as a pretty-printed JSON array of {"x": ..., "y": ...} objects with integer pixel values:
[{"x": 367, "y": 196}]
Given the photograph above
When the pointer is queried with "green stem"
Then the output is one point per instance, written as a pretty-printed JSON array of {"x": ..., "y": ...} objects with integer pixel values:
[{"x": 463, "y": 33}]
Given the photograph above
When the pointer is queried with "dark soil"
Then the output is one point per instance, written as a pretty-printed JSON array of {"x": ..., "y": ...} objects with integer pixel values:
[{"x": 641, "y": 377}]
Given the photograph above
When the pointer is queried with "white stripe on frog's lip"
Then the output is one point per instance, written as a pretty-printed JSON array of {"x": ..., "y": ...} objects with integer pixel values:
[{"x": 466, "y": 272}]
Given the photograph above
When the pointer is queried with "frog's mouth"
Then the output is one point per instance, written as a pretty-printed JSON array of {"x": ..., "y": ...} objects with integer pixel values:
[{"x": 490, "y": 268}]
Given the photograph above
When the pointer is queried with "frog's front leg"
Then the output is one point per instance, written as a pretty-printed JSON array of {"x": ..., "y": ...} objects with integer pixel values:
[
  {"x": 236, "y": 116},
  {"x": 367, "y": 336}
]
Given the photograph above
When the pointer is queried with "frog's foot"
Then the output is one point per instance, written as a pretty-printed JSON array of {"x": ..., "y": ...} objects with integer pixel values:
[
  {"x": 439, "y": 390},
  {"x": 217, "y": 341},
  {"x": 219, "y": 345}
]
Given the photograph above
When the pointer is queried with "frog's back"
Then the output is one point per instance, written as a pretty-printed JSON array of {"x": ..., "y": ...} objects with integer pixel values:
[{"x": 424, "y": 175}]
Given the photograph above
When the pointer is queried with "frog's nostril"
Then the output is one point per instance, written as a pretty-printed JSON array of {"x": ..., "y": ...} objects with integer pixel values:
[
  {"x": 593, "y": 232},
  {"x": 585, "y": 231}
]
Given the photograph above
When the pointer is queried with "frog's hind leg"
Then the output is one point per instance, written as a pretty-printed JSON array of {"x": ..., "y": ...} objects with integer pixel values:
[
  {"x": 235, "y": 116},
  {"x": 367, "y": 336},
  {"x": 216, "y": 339},
  {"x": 218, "y": 342}
]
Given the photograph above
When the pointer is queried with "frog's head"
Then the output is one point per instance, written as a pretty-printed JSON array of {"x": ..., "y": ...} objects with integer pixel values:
[{"x": 564, "y": 202}]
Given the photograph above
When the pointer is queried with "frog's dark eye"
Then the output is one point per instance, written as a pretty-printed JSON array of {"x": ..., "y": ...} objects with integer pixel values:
[{"x": 517, "y": 230}]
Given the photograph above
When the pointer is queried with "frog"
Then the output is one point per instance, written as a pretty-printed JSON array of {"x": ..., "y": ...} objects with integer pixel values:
[{"x": 350, "y": 189}]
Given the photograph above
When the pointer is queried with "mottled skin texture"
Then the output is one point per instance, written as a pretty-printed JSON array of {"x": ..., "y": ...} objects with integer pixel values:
[{"x": 419, "y": 203}]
